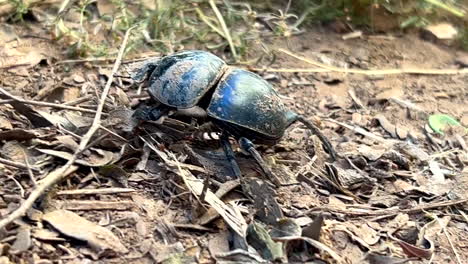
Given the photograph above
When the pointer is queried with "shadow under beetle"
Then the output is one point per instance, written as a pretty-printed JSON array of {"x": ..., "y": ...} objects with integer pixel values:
[{"x": 240, "y": 103}]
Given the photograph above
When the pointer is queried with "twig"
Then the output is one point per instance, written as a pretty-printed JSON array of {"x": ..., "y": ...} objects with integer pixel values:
[
  {"x": 46, "y": 104},
  {"x": 30, "y": 172},
  {"x": 91, "y": 205},
  {"x": 113, "y": 133},
  {"x": 358, "y": 130},
  {"x": 389, "y": 211},
  {"x": 457, "y": 256},
  {"x": 17, "y": 165},
  {"x": 22, "y": 192},
  {"x": 144, "y": 57},
  {"x": 79, "y": 100},
  {"x": 68, "y": 168},
  {"x": 6, "y": 101},
  {"x": 290, "y": 70},
  {"x": 371, "y": 72},
  {"x": 227, "y": 35},
  {"x": 95, "y": 191}
]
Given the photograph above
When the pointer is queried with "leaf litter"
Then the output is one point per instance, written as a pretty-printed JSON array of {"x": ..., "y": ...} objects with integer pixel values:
[{"x": 141, "y": 194}]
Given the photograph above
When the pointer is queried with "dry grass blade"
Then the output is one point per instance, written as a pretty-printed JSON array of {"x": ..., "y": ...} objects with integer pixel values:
[
  {"x": 17, "y": 164},
  {"x": 96, "y": 191},
  {"x": 372, "y": 72},
  {"x": 205, "y": 19},
  {"x": 196, "y": 186},
  {"x": 232, "y": 218},
  {"x": 227, "y": 34},
  {"x": 359, "y": 130},
  {"x": 389, "y": 211},
  {"x": 46, "y": 104},
  {"x": 69, "y": 168},
  {"x": 288, "y": 70}
]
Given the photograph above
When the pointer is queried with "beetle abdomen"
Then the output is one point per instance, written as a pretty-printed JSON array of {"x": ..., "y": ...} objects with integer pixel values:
[
  {"x": 180, "y": 80},
  {"x": 245, "y": 99}
]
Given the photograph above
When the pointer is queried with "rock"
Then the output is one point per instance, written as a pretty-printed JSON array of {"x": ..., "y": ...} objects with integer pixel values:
[{"x": 442, "y": 31}]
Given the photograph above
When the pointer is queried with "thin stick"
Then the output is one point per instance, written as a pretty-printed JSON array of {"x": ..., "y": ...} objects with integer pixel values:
[
  {"x": 227, "y": 35},
  {"x": 113, "y": 133},
  {"x": 68, "y": 168},
  {"x": 450, "y": 242},
  {"x": 30, "y": 172},
  {"x": 6, "y": 101},
  {"x": 288, "y": 70},
  {"x": 144, "y": 57},
  {"x": 46, "y": 104},
  {"x": 389, "y": 211},
  {"x": 79, "y": 100},
  {"x": 17, "y": 165},
  {"x": 371, "y": 72},
  {"x": 22, "y": 192},
  {"x": 80, "y": 205},
  {"x": 95, "y": 191},
  {"x": 358, "y": 130}
]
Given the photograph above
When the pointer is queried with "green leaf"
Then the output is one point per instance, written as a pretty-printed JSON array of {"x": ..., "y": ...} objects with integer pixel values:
[{"x": 439, "y": 122}]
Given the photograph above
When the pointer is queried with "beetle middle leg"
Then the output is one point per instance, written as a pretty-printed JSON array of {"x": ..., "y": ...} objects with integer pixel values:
[{"x": 230, "y": 155}]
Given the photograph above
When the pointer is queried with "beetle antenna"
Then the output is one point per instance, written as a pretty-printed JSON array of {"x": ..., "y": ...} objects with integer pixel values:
[{"x": 326, "y": 143}]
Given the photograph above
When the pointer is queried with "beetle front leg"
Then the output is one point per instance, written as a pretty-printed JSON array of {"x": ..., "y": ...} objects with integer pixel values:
[{"x": 248, "y": 146}]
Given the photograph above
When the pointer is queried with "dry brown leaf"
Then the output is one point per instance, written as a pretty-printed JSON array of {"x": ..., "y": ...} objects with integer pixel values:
[
  {"x": 26, "y": 52},
  {"x": 94, "y": 159},
  {"x": 18, "y": 135},
  {"x": 99, "y": 238},
  {"x": 219, "y": 243},
  {"x": 5, "y": 123}
]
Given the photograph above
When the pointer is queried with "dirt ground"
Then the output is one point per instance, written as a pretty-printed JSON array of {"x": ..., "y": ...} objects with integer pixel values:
[{"x": 397, "y": 191}]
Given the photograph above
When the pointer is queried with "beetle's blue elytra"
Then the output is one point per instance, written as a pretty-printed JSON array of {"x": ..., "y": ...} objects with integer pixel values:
[
  {"x": 180, "y": 80},
  {"x": 247, "y": 100}
]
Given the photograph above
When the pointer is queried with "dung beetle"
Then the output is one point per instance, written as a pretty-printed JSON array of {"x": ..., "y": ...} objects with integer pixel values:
[{"x": 240, "y": 103}]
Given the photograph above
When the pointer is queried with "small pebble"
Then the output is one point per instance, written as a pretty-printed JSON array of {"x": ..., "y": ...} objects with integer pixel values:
[{"x": 78, "y": 78}]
